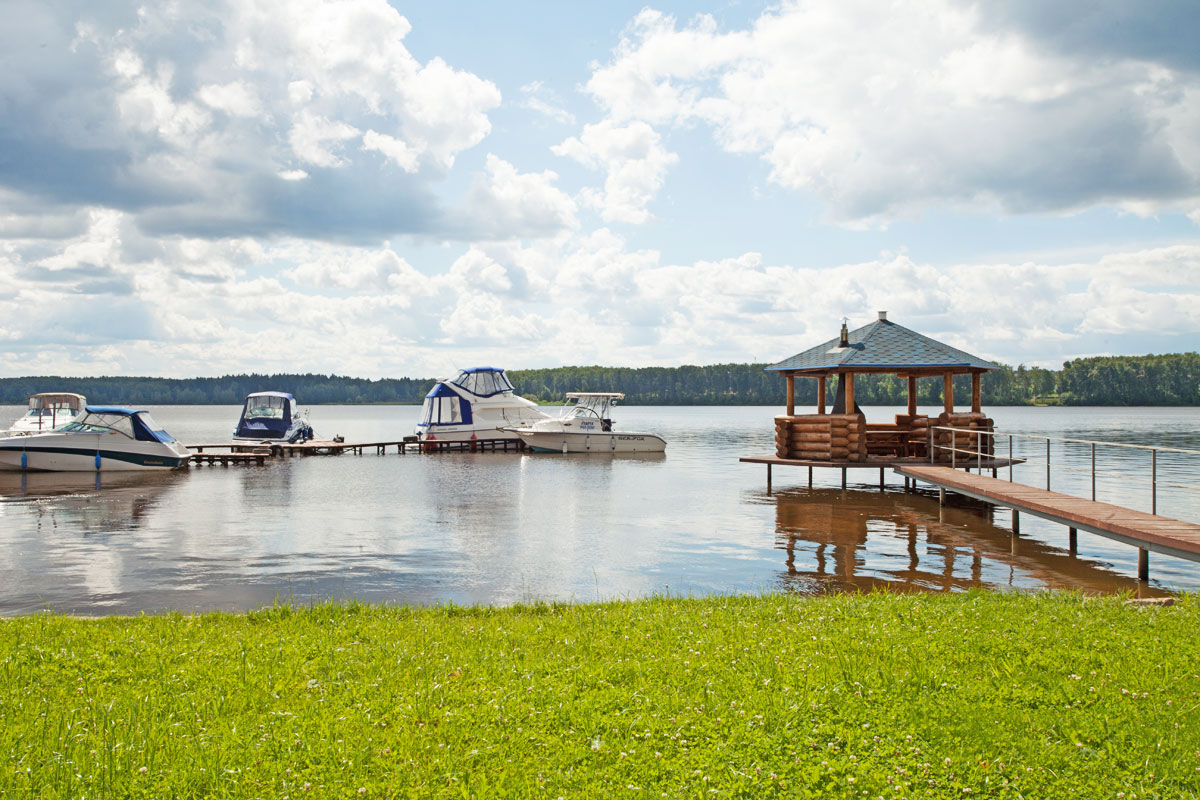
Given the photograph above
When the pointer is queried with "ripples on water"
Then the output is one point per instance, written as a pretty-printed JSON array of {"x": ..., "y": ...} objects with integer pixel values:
[{"x": 504, "y": 528}]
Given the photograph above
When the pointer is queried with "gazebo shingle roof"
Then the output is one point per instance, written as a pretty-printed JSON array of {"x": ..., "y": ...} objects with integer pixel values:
[{"x": 883, "y": 344}]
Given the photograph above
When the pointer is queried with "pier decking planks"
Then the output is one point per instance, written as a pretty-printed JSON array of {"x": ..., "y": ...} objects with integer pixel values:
[
  {"x": 255, "y": 452},
  {"x": 1145, "y": 531}
]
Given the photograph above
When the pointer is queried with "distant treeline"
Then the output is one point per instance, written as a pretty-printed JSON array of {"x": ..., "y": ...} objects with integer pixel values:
[
  {"x": 1166, "y": 380},
  {"x": 230, "y": 389}
]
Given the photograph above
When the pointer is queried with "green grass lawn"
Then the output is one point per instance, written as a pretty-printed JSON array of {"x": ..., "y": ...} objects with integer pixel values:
[{"x": 967, "y": 695}]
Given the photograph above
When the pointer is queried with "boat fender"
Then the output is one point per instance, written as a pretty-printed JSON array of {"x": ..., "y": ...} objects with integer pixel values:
[
  {"x": 24, "y": 461},
  {"x": 564, "y": 445},
  {"x": 97, "y": 460}
]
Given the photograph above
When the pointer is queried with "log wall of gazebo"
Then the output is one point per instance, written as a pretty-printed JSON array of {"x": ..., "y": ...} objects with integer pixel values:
[{"x": 849, "y": 437}]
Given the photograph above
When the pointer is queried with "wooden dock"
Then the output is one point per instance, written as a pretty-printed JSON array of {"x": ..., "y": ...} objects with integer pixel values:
[
  {"x": 1147, "y": 532},
  {"x": 881, "y": 463},
  {"x": 226, "y": 453},
  {"x": 259, "y": 457}
]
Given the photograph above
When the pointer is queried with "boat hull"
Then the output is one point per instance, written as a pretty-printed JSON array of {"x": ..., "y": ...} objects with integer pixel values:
[
  {"x": 463, "y": 434},
  {"x": 86, "y": 453},
  {"x": 583, "y": 442}
]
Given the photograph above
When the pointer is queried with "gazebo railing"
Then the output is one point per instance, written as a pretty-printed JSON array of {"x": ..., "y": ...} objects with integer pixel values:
[{"x": 962, "y": 457}]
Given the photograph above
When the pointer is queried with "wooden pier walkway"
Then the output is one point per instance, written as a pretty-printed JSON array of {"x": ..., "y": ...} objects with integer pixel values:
[
  {"x": 1147, "y": 532},
  {"x": 258, "y": 457},
  {"x": 226, "y": 453},
  {"x": 880, "y": 463}
]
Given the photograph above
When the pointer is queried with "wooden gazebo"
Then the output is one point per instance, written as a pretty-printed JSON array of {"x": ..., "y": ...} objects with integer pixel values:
[{"x": 841, "y": 433}]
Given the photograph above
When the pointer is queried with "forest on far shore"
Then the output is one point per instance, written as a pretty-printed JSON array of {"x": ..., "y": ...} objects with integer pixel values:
[{"x": 1151, "y": 380}]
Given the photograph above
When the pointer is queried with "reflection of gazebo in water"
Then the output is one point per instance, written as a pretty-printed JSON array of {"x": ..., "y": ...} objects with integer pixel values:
[
  {"x": 840, "y": 436},
  {"x": 903, "y": 542}
]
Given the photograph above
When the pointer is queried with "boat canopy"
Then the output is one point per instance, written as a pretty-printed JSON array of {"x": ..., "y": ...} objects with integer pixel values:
[
  {"x": 134, "y": 423},
  {"x": 266, "y": 415},
  {"x": 51, "y": 400},
  {"x": 482, "y": 381},
  {"x": 444, "y": 406}
]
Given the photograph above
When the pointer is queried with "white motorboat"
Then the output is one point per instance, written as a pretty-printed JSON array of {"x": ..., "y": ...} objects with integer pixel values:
[
  {"x": 48, "y": 410},
  {"x": 585, "y": 426},
  {"x": 104, "y": 438},
  {"x": 271, "y": 417},
  {"x": 479, "y": 403}
]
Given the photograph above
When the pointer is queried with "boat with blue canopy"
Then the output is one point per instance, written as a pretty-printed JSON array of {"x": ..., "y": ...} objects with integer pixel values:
[
  {"x": 271, "y": 417},
  {"x": 477, "y": 403},
  {"x": 103, "y": 438}
]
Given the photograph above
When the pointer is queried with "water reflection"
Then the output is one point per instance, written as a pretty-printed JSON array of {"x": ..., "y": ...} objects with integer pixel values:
[
  {"x": 499, "y": 528},
  {"x": 838, "y": 540},
  {"x": 81, "y": 523}
]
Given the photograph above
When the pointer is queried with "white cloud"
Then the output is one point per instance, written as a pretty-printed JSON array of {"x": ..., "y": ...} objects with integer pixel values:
[
  {"x": 360, "y": 269},
  {"x": 506, "y": 204},
  {"x": 885, "y": 111},
  {"x": 537, "y": 97},
  {"x": 314, "y": 138},
  {"x": 237, "y": 98},
  {"x": 392, "y": 149},
  {"x": 186, "y": 306},
  {"x": 635, "y": 161},
  {"x": 204, "y": 116}
]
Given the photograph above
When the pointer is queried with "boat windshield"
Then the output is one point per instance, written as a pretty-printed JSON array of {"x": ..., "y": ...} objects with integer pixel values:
[
  {"x": 589, "y": 406},
  {"x": 265, "y": 407},
  {"x": 100, "y": 423},
  {"x": 483, "y": 383}
]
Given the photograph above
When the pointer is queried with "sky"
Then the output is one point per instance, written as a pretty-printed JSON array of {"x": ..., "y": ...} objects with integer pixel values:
[{"x": 373, "y": 189}]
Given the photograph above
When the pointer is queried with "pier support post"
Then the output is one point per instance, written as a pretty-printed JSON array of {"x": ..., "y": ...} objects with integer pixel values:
[
  {"x": 881, "y": 479},
  {"x": 1073, "y": 540},
  {"x": 1143, "y": 564},
  {"x": 941, "y": 496},
  {"x": 1016, "y": 522},
  {"x": 810, "y": 477},
  {"x": 768, "y": 478},
  {"x": 843, "y": 477}
]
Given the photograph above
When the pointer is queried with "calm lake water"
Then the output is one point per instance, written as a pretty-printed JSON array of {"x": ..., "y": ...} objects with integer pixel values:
[{"x": 505, "y": 528}]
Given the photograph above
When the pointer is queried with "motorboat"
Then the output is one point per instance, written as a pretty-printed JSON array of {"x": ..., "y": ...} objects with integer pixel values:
[
  {"x": 478, "y": 403},
  {"x": 48, "y": 410},
  {"x": 271, "y": 417},
  {"x": 585, "y": 426},
  {"x": 103, "y": 438}
]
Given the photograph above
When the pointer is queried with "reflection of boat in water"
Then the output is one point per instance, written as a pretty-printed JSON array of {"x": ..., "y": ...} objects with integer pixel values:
[
  {"x": 15, "y": 486},
  {"x": 48, "y": 410},
  {"x": 479, "y": 403},
  {"x": 585, "y": 426},
  {"x": 271, "y": 417},
  {"x": 104, "y": 438}
]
